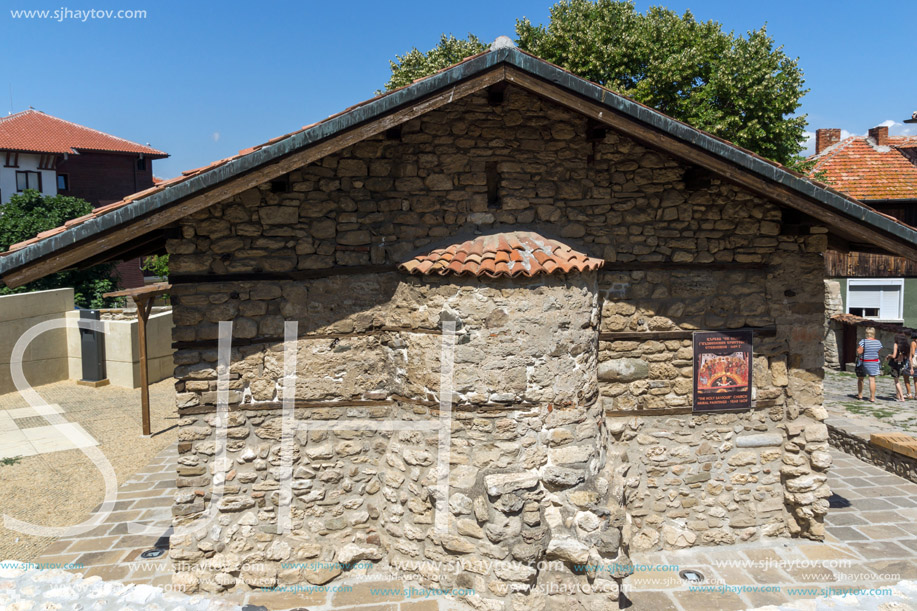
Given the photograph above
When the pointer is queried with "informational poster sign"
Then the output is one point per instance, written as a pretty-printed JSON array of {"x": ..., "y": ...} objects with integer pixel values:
[{"x": 722, "y": 370}]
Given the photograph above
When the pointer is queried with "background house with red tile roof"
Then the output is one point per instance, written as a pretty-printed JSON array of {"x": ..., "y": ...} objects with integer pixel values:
[
  {"x": 881, "y": 171},
  {"x": 53, "y": 156}
]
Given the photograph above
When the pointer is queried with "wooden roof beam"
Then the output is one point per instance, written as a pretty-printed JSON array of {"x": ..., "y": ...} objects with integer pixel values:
[
  {"x": 673, "y": 146},
  {"x": 70, "y": 256}
]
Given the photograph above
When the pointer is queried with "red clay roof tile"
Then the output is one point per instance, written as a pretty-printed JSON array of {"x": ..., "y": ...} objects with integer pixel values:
[
  {"x": 859, "y": 168},
  {"x": 512, "y": 254},
  {"x": 36, "y": 132}
]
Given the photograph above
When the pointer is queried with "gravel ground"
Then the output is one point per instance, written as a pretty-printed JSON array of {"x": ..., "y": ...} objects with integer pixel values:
[
  {"x": 62, "y": 488},
  {"x": 24, "y": 590}
]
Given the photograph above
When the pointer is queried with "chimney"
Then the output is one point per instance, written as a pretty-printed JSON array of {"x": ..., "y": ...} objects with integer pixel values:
[
  {"x": 880, "y": 135},
  {"x": 825, "y": 138}
]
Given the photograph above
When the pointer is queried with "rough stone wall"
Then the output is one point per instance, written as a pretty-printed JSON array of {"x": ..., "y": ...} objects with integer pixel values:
[
  {"x": 591, "y": 486},
  {"x": 834, "y": 304},
  {"x": 528, "y": 497},
  {"x": 719, "y": 479},
  {"x": 528, "y": 500},
  {"x": 377, "y": 201},
  {"x": 377, "y": 337},
  {"x": 858, "y": 445}
]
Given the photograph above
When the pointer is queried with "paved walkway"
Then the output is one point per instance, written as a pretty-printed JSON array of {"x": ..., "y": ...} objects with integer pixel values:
[
  {"x": 50, "y": 482},
  {"x": 855, "y": 416},
  {"x": 872, "y": 541},
  {"x": 132, "y": 544}
]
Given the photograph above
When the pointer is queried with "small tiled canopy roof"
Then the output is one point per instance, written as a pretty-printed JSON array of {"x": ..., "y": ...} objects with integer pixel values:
[{"x": 511, "y": 254}]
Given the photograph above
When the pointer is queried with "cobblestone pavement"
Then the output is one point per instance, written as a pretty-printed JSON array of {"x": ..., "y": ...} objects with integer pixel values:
[
  {"x": 61, "y": 488},
  {"x": 886, "y": 414},
  {"x": 871, "y": 542}
]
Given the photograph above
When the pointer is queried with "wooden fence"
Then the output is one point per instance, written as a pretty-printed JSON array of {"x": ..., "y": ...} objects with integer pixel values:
[{"x": 867, "y": 265}]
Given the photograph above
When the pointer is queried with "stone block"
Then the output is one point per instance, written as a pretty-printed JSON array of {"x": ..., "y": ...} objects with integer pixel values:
[
  {"x": 502, "y": 483},
  {"x": 623, "y": 370},
  {"x": 759, "y": 441}
]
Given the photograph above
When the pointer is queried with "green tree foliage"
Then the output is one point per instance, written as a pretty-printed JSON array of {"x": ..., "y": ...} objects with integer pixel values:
[
  {"x": 158, "y": 264},
  {"x": 415, "y": 64},
  {"x": 29, "y": 213},
  {"x": 740, "y": 88}
]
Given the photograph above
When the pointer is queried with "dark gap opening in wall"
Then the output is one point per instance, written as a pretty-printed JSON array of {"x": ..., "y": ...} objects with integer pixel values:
[
  {"x": 794, "y": 222},
  {"x": 280, "y": 185},
  {"x": 493, "y": 184},
  {"x": 595, "y": 133},
  {"x": 697, "y": 178},
  {"x": 393, "y": 133},
  {"x": 496, "y": 94}
]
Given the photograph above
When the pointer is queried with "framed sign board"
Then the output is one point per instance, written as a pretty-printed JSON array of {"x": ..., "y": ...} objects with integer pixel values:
[{"x": 722, "y": 370}]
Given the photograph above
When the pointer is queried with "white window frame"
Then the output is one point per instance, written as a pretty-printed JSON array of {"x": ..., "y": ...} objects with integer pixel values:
[{"x": 899, "y": 282}]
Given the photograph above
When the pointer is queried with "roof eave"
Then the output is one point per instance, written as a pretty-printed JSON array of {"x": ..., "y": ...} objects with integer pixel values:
[
  {"x": 384, "y": 104},
  {"x": 147, "y": 154},
  {"x": 706, "y": 142},
  {"x": 255, "y": 159}
]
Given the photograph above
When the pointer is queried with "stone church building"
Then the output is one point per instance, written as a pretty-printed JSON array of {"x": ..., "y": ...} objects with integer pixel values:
[{"x": 495, "y": 274}]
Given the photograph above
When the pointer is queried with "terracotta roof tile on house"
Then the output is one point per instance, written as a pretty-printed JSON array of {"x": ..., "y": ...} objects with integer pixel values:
[
  {"x": 861, "y": 169},
  {"x": 36, "y": 132},
  {"x": 511, "y": 254}
]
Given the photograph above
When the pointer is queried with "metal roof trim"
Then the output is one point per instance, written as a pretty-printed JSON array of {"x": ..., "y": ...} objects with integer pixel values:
[
  {"x": 262, "y": 156},
  {"x": 700, "y": 139},
  {"x": 379, "y": 106}
]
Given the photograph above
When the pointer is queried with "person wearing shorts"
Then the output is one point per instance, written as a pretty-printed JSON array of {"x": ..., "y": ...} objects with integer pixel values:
[
  {"x": 899, "y": 363},
  {"x": 868, "y": 363},
  {"x": 911, "y": 368}
]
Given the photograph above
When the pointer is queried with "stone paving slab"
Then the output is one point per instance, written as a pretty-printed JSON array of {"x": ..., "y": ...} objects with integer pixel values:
[
  {"x": 870, "y": 543},
  {"x": 54, "y": 486}
]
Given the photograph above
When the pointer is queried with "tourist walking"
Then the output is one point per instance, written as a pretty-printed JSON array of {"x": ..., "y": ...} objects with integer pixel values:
[
  {"x": 911, "y": 368},
  {"x": 899, "y": 362},
  {"x": 868, "y": 363},
  {"x": 909, "y": 371}
]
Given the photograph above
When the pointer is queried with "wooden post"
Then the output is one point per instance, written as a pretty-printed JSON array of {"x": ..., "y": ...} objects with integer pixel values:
[
  {"x": 144, "y": 305},
  {"x": 143, "y": 297}
]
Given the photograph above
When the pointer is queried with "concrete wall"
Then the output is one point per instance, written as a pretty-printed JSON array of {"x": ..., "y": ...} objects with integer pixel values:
[
  {"x": 122, "y": 350},
  {"x": 55, "y": 355},
  {"x": 45, "y": 359}
]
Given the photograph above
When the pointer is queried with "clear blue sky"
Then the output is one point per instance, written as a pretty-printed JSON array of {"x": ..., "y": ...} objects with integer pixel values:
[{"x": 203, "y": 81}]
